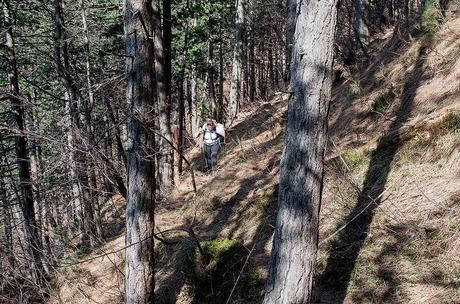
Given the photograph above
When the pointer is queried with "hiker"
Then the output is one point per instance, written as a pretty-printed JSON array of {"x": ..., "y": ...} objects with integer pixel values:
[{"x": 213, "y": 136}]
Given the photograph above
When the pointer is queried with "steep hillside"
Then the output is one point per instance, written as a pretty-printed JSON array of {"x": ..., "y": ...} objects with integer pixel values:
[{"x": 390, "y": 219}]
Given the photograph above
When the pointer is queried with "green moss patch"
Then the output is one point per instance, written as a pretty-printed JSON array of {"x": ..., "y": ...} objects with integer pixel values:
[{"x": 214, "y": 273}]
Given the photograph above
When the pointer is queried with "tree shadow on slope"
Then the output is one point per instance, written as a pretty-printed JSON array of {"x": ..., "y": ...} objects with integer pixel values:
[
  {"x": 229, "y": 213},
  {"x": 411, "y": 254},
  {"x": 390, "y": 52},
  {"x": 172, "y": 257},
  {"x": 228, "y": 210},
  {"x": 376, "y": 76},
  {"x": 345, "y": 249}
]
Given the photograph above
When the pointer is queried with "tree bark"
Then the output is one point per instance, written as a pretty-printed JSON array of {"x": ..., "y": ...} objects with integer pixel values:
[
  {"x": 181, "y": 108},
  {"x": 236, "y": 65},
  {"x": 194, "y": 106},
  {"x": 181, "y": 120},
  {"x": 8, "y": 246},
  {"x": 221, "y": 82},
  {"x": 359, "y": 23},
  {"x": 211, "y": 85},
  {"x": 290, "y": 28},
  {"x": 165, "y": 174},
  {"x": 271, "y": 69},
  {"x": 167, "y": 40},
  {"x": 290, "y": 278},
  {"x": 139, "y": 48},
  {"x": 252, "y": 67}
]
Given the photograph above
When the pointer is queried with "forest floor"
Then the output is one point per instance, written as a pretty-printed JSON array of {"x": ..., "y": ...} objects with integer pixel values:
[{"x": 394, "y": 129}]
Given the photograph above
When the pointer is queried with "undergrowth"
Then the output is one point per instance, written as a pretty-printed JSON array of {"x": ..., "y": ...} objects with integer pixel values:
[
  {"x": 356, "y": 159},
  {"x": 382, "y": 103},
  {"x": 430, "y": 19},
  {"x": 450, "y": 122},
  {"x": 214, "y": 273}
]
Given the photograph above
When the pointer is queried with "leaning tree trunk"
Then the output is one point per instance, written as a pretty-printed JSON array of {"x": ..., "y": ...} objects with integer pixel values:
[
  {"x": 236, "y": 66},
  {"x": 295, "y": 242},
  {"x": 139, "y": 267},
  {"x": 34, "y": 244},
  {"x": 165, "y": 154},
  {"x": 88, "y": 118}
]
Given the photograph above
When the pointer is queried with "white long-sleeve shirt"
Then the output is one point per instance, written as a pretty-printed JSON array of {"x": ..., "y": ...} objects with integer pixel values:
[{"x": 210, "y": 136}]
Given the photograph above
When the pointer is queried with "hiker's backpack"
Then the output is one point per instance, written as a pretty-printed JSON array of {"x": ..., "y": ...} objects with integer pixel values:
[
  {"x": 217, "y": 135},
  {"x": 220, "y": 130}
]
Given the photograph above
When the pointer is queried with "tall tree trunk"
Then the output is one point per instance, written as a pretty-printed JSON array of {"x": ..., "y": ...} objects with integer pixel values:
[
  {"x": 221, "y": 82},
  {"x": 252, "y": 68},
  {"x": 236, "y": 65},
  {"x": 181, "y": 120},
  {"x": 290, "y": 28},
  {"x": 244, "y": 78},
  {"x": 96, "y": 226},
  {"x": 165, "y": 174},
  {"x": 195, "y": 109},
  {"x": 75, "y": 215},
  {"x": 359, "y": 23},
  {"x": 167, "y": 40},
  {"x": 181, "y": 107},
  {"x": 8, "y": 247},
  {"x": 278, "y": 68},
  {"x": 295, "y": 243},
  {"x": 194, "y": 106},
  {"x": 36, "y": 166},
  {"x": 211, "y": 87},
  {"x": 108, "y": 151},
  {"x": 5, "y": 205},
  {"x": 271, "y": 69},
  {"x": 26, "y": 199},
  {"x": 35, "y": 169},
  {"x": 139, "y": 48}
]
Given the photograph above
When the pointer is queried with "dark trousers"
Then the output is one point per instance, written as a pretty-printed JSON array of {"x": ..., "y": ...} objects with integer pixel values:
[{"x": 211, "y": 154}]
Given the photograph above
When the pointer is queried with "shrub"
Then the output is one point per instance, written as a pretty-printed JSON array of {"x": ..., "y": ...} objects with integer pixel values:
[
  {"x": 451, "y": 121},
  {"x": 430, "y": 18},
  {"x": 352, "y": 158}
]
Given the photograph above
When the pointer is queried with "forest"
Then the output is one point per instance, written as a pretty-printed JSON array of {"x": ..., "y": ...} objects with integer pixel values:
[{"x": 243, "y": 151}]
